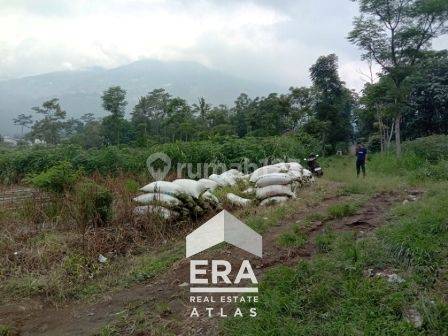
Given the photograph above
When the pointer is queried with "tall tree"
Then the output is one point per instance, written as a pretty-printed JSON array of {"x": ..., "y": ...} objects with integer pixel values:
[
  {"x": 202, "y": 108},
  {"x": 50, "y": 127},
  {"x": 24, "y": 121},
  {"x": 375, "y": 116},
  {"x": 333, "y": 102},
  {"x": 243, "y": 104},
  {"x": 179, "y": 123},
  {"x": 149, "y": 113},
  {"x": 115, "y": 126},
  {"x": 114, "y": 100},
  {"x": 395, "y": 33}
]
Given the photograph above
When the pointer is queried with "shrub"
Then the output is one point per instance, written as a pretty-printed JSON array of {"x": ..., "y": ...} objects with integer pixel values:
[
  {"x": 15, "y": 164},
  {"x": 92, "y": 203},
  {"x": 56, "y": 179},
  {"x": 432, "y": 148}
]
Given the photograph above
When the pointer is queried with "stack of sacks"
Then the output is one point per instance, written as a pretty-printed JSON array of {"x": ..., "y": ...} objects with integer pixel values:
[
  {"x": 182, "y": 197},
  {"x": 279, "y": 182},
  {"x": 189, "y": 198}
]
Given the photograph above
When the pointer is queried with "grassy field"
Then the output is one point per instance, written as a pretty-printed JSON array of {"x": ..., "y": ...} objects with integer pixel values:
[
  {"x": 337, "y": 292},
  {"x": 47, "y": 256}
]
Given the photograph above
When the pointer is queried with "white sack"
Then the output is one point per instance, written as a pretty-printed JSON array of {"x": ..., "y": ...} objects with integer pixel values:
[
  {"x": 264, "y": 171},
  {"x": 236, "y": 174},
  {"x": 296, "y": 175},
  {"x": 229, "y": 179},
  {"x": 274, "y": 200},
  {"x": 237, "y": 200},
  {"x": 274, "y": 190},
  {"x": 294, "y": 166},
  {"x": 163, "y": 187},
  {"x": 162, "y": 198},
  {"x": 282, "y": 165},
  {"x": 219, "y": 179},
  {"x": 155, "y": 209},
  {"x": 273, "y": 179},
  {"x": 249, "y": 190},
  {"x": 307, "y": 173},
  {"x": 190, "y": 187},
  {"x": 208, "y": 184},
  {"x": 208, "y": 196}
]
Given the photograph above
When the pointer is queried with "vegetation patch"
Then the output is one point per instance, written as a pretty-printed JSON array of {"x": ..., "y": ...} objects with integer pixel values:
[{"x": 331, "y": 294}]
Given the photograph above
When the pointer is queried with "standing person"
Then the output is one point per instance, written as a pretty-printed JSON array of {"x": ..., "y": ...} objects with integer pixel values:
[{"x": 361, "y": 157}]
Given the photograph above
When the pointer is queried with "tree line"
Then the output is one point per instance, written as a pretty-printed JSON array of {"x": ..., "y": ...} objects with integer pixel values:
[
  {"x": 323, "y": 110},
  {"x": 409, "y": 99}
]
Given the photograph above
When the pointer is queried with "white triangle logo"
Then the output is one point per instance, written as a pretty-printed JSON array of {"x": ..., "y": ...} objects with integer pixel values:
[{"x": 224, "y": 227}]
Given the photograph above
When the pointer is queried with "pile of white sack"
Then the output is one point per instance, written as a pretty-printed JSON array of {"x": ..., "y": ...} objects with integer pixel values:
[
  {"x": 184, "y": 197},
  {"x": 273, "y": 184},
  {"x": 279, "y": 182},
  {"x": 190, "y": 198}
]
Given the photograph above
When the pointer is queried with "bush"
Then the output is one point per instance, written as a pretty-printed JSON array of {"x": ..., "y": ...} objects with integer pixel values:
[
  {"x": 432, "y": 148},
  {"x": 93, "y": 204},
  {"x": 15, "y": 164},
  {"x": 56, "y": 179}
]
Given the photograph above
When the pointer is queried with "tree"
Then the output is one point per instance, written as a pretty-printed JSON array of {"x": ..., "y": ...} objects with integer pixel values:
[
  {"x": 243, "y": 104},
  {"x": 301, "y": 102},
  {"x": 50, "y": 127},
  {"x": 114, "y": 126},
  {"x": 114, "y": 101},
  {"x": 218, "y": 121},
  {"x": 333, "y": 102},
  {"x": 24, "y": 121},
  {"x": 202, "y": 108},
  {"x": 149, "y": 113},
  {"x": 116, "y": 130},
  {"x": 72, "y": 126},
  {"x": 269, "y": 115},
  {"x": 428, "y": 99},
  {"x": 395, "y": 34},
  {"x": 179, "y": 123},
  {"x": 374, "y": 117}
]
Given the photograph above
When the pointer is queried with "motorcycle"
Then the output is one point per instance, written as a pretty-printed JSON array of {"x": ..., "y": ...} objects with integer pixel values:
[{"x": 314, "y": 166}]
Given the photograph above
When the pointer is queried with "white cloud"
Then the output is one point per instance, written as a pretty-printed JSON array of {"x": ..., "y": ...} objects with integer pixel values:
[
  {"x": 271, "y": 41},
  {"x": 124, "y": 32}
]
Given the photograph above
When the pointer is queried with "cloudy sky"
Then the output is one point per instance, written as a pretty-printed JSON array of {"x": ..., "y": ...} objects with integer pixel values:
[{"x": 269, "y": 40}]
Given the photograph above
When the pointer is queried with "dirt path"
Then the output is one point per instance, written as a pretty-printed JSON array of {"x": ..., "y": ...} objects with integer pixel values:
[{"x": 169, "y": 289}]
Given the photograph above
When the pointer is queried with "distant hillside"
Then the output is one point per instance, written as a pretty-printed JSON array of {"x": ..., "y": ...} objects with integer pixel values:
[{"x": 80, "y": 91}]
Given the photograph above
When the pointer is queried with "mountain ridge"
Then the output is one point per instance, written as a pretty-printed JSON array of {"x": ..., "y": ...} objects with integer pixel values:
[{"x": 79, "y": 91}]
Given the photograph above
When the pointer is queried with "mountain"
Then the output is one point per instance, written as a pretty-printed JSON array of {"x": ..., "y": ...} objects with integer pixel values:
[{"x": 80, "y": 91}]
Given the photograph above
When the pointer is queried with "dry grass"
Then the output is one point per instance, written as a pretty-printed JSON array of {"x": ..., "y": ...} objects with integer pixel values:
[{"x": 44, "y": 251}]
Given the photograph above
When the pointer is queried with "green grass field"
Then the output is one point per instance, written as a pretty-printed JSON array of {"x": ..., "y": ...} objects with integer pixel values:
[{"x": 331, "y": 294}]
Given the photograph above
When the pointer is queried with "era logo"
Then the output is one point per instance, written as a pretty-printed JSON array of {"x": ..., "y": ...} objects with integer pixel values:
[{"x": 220, "y": 271}]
